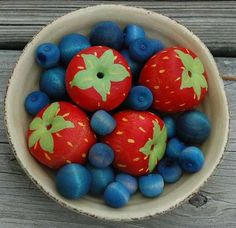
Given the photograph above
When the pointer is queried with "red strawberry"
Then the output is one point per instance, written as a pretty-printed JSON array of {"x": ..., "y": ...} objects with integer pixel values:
[
  {"x": 98, "y": 78},
  {"x": 60, "y": 134},
  {"x": 176, "y": 78},
  {"x": 138, "y": 141}
]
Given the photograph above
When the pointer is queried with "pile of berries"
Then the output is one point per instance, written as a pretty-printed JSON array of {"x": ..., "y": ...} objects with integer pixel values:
[{"x": 115, "y": 113}]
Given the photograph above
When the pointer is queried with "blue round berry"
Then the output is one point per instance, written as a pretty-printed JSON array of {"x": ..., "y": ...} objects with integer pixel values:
[
  {"x": 35, "y": 102},
  {"x": 157, "y": 45},
  {"x": 73, "y": 181},
  {"x": 151, "y": 185},
  {"x": 174, "y": 147},
  {"x": 140, "y": 98},
  {"x": 133, "y": 32},
  {"x": 170, "y": 126},
  {"x": 101, "y": 155},
  {"x": 100, "y": 179},
  {"x": 52, "y": 82},
  {"x": 107, "y": 33},
  {"x": 71, "y": 44},
  {"x": 141, "y": 50},
  {"x": 135, "y": 67},
  {"x": 191, "y": 159},
  {"x": 169, "y": 170},
  {"x": 47, "y": 55},
  {"x": 128, "y": 181},
  {"x": 116, "y": 195},
  {"x": 193, "y": 127},
  {"x": 102, "y": 122}
]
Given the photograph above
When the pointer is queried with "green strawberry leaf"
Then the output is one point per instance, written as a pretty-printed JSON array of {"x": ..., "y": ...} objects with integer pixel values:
[
  {"x": 202, "y": 81},
  {"x": 186, "y": 81},
  {"x": 152, "y": 161},
  {"x": 103, "y": 88},
  {"x": 59, "y": 124},
  {"x": 36, "y": 124},
  {"x": 117, "y": 72},
  {"x": 197, "y": 66},
  {"x": 50, "y": 113},
  {"x": 91, "y": 61},
  {"x": 34, "y": 137},
  {"x": 186, "y": 59},
  {"x": 46, "y": 142},
  {"x": 156, "y": 131},
  {"x": 197, "y": 88},
  {"x": 107, "y": 58},
  {"x": 146, "y": 149},
  {"x": 84, "y": 79}
]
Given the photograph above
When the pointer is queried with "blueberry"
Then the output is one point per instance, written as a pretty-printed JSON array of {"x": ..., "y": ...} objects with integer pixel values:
[
  {"x": 157, "y": 45},
  {"x": 174, "y": 147},
  {"x": 135, "y": 67},
  {"x": 102, "y": 122},
  {"x": 139, "y": 98},
  {"x": 100, "y": 179},
  {"x": 141, "y": 50},
  {"x": 116, "y": 195},
  {"x": 73, "y": 181},
  {"x": 47, "y": 55},
  {"x": 151, "y": 185},
  {"x": 193, "y": 127},
  {"x": 35, "y": 102},
  {"x": 170, "y": 125},
  {"x": 52, "y": 82},
  {"x": 191, "y": 159},
  {"x": 169, "y": 170},
  {"x": 128, "y": 181},
  {"x": 71, "y": 44},
  {"x": 133, "y": 32},
  {"x": 107, "y": 33},
  {"x": 101, "y": 155}
]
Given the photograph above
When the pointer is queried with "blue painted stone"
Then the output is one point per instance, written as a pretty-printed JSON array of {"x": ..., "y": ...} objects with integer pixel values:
[
  {"x": 101, "y": 155},
  {"x": 52, "y": 82},
  {"x": 47, "y": 55},
  {"x": 157, "y": 45},
  {"x": 133, "y": 32},
  {"x": 102, "y": 122},
  {"x": 170, "y": 170},
  {"x": 73, "y": 181},
  {"x": 116, "y": 195},
  {"x": 191, "y": 159},
  {"x": 140, "y": 98},
  {"x": 35, "y": 102},
  {"x": 107, "y": 33},
  {"x": 128, "y": 181},
  {"x": 174, "y": 148},
  {"x": 170, "y": 125},
  {"x": 193, "y": 127},
  {"x": 151, "y": 185},
  {"x": 71, "y": 44}
]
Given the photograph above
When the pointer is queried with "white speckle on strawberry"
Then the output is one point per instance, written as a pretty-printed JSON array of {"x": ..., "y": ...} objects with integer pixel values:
[
  {"x": 136, "y": 159},
  {"x": 124, "y": 94},
  {"x": 169, "y": 110},
  {"x": 47, "y": 156},
  {"x": 181, "y": 105},
  {"x": 83, "y": 155},
  {"x": 183, "y": 68},
  {"x": 68, "y": 161},
  {"x": 66, "y": 114},
  {"x": 140, "y": 170},
  {"x": 141, "y": 117},
  {"x": 81, "y": 124},
  {"x": 187, "y": 50},
  {"x": 167, "y": 102},
  {"x": 145, "y": 66},
  {"x": 35, "y": 145},
  {"x": 165, "y": 57},
  {"x": 124, "y": 119},
  {"x": 86, "y": 140},
  {"x": 108, "y": 93},
  {"x": 100, "y": 46},
  {"x": 95, "y": 53},
  {"x": 80, "y": 67},
  {"x": 145, "y": 158},
  {"x": 147, "y": 80},
  {"x": 162, "y": 71},
  {"x": 167, "y": 87},
  {"x": 153, "y": 65},
  {"x": 157, "y": 101},
  {"x": 177, "y": 56},
  {"x": 194, "y": 96},
  {"x": 154, "y": 56},
  {"x": 147, "y": 170},
  {"x": 107, "y": 142},
  {"x": 131, "y": 141},
  {"x": 115, "y": 57},
  {"x": 156, "y": 87},
  {"x": 172, "y": 91},
  {"x": 78, "y": 56},
  {"x": 163, "y": 51},
  {"x": 99, "y": 104},
  {"x": 121, "y": 165},
  {"x": 58, "y": 110},
  {"x": 69, "y": 143},
  {"x": 128, "y": 68},
  {"x": 94, "y": 135},
  {"x": 58, "y": 135},
  {"x": 119, "y": 132},
  {"x": 141, "y": 129},
  {"x": 177, "y": 79},
  {"x": 117, "y": 150},
  {"x": 87, "y": 118}
]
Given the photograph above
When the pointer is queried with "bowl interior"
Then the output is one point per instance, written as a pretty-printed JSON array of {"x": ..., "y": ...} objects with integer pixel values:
[{"x": 25, "y": 79}]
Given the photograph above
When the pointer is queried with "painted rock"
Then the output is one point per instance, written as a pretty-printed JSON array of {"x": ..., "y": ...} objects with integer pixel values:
[
  {"x": 98, "y": 78},
  {"x": 60, "y": 134},
  {"x": 138, "y": 141},
  {"x": 177, "y": 79}
]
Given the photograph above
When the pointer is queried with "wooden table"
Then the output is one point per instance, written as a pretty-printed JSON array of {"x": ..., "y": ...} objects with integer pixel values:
[{"x": 23, "y": 205}]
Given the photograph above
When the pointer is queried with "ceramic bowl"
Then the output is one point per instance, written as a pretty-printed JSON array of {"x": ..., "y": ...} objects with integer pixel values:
[{"x": 25, "y": 79}]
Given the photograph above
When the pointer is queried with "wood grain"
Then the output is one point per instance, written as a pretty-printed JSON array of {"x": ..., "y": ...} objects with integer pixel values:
[
  {"x": 23, "y": 205},
  {"x": 214, "y": 22}
]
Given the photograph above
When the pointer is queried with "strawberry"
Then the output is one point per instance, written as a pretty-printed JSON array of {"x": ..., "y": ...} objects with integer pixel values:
[
  {"x": 98, "y": 78},
  {"x": 60, "y": 134},
  {"x": 177, "y": 79},
  {"x": 138, "y": 141}
]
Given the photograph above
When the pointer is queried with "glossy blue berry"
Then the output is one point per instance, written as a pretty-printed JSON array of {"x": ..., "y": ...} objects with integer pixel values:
[
  {"x": 73, "y": 181},
  {"x": 193, "y": 127},
  {"x": 140, "y": 98},
  {"x": 102, "y": 122},
  {"x": 170, "y": 126},
  {"x": 71, "y": 44},
  {"x": 100, "y": 179},
  {"x": 35, "y": 102},
  {"x": 101, "y": 155},
  {"x": 128, "y": 181},
  {"x": 157, "y": 45},
  {"x": 191, "y": 159},
  {"x": 133, "y": 32},
  {"x": 116, "y": 195},
  {"x": 151, "y": 185},
  {"x": 52, "y": 82},
  {"x": 47, "y": 55},
  {"x": 107, "y": 33},
  {"x": 141, "y": 50},
  {"x": 170, "y": 170},
  {"x": 174, "y": 148},
  {"x": 135, "y": 67}
]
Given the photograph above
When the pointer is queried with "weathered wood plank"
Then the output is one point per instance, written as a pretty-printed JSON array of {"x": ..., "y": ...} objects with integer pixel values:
[{"x": 214, "y": 22}]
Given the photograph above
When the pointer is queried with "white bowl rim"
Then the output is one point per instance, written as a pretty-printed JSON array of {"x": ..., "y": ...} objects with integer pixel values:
[{"x": 117, "y": 218}]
